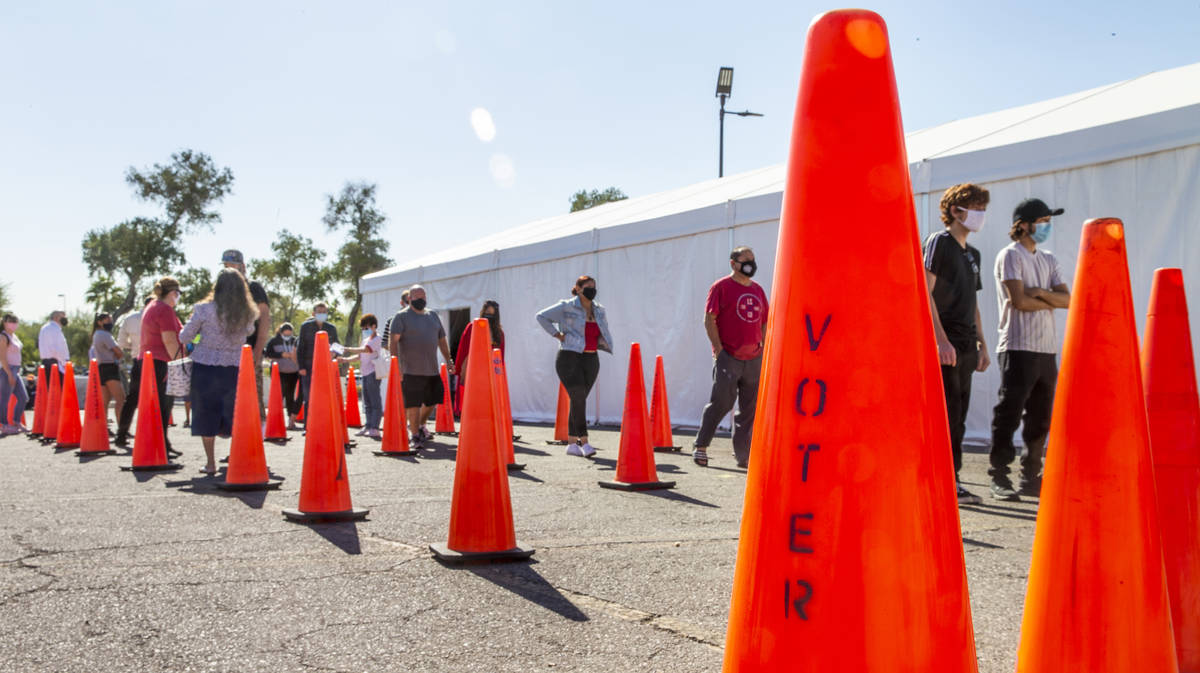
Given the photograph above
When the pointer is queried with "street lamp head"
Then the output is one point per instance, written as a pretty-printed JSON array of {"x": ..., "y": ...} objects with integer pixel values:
[{"x": 725, "y": 82}]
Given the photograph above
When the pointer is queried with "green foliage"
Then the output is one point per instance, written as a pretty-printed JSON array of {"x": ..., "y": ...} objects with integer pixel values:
[
  {"x": 194, "y": 285},
  {"x": 583, "y": 199},
  {"x": 5, "y": 300},
  {"x": 27, "y": 332},
  {"x": 365, "y": 249},
  {"x": 185, "y": 188},
  {"x": 295, "y": 278}
]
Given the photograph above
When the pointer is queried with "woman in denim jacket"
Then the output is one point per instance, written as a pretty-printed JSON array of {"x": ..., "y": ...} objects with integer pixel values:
[{"x": 582, "y": 328}]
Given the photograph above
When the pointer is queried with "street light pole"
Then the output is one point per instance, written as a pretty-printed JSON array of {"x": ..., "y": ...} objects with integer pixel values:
[
  {"x": 721, "y": 150},
  {"x": 724, "y": 91}
]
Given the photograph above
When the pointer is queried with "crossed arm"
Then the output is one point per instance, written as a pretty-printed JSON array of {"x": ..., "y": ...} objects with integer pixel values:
[{"x": 1035, "y": 298}]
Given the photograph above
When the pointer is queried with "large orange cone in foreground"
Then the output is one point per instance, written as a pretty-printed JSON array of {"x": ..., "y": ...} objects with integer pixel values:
[
  {"x": 53, "y": 404},
  {"x": 481, "y": 521},
  {"x": 94, "y": 440},
  {"x": 339, "y": 417},
  {"x": 149, "y": 444},
  {"x": 276, "y": 430},
  {"x": 504, "y": 424},
  {"x": 444, "y": 421},
  {"x": 635, "y": 462},
  {"x": 1097, "y": 598},
  {"x": 395, "y": 427},
  {"x": 850, "y": 557},
  {"x": 660, "y": 412},
  {"x": 353, "y": 417},
  {"x": 325, "y": 481},
  {"x": 1168, "y": 371},
  {"x": 69, "y": 427},
  {"x": 247, "y": 460},
  {"x": 39, "y": 404},
  {"x": 561, "y": 412}
]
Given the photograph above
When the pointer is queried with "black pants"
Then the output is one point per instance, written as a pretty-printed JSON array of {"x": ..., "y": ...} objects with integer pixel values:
[
  {"x": 733, "y": 380},
  {"x": 1027, "y": 382},
  {"x": 578, "y": 372},
  {"x": 956, "y": 381},
  {"x": 288, "y": 382},
  {"x": 165, "y": 401},
  {"x": 52, "y": 367}
]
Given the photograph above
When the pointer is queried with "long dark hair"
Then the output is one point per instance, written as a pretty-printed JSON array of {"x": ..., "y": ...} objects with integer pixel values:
[
  {"x": 494, "y": 325},
  {"x": 98, "y": 321},
  {"x": 231, "y": 298}
]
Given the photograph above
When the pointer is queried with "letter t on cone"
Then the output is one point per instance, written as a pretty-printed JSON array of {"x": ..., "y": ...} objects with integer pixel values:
[
  {"x": 1097, "y": 597},
  {"x": 850, "y": 555}
]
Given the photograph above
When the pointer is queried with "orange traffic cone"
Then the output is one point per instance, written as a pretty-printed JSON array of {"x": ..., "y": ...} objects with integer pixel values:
[
  {"x": 660, "y": 412},
  {"x": 325, "y": 482},
  {"x": 353, "y": 417},
  {"x": 504, "y": 427},
  {"x": 53, "y": 406},
  {"x": 395, "y": 428},
  {"x": 300, "y": 416},
  {"x": 69, "y": 427},
  {"x": 561, "y": 412},
  {"x": 149, "y": 444},
  {"x": 16, "y": 416},
  {"x": 1173, "y": 408},
  {"x": 635, "y": 462},
  {"x": 850, "y": 556},
  {"x": 276, "y": 430},
  {"x": 339, "y": 416},
  {"x": 94, "y": 440},
  {"x": 481, "y": 520},
  {"x": 247, "y": 460},
  {"x": 444, "y": 421},
  {"x": 39, "y": 404},
  {"x": 1097, "y": 595}
]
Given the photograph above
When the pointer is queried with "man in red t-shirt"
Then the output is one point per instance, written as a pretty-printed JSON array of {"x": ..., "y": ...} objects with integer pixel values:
[{"x": 735, "y": 318}]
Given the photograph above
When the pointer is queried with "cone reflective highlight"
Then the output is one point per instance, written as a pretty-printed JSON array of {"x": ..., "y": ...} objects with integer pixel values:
[
  {"x": 660, "y": 412},
  {"x": 504, "y": 423},
  {"x": 39, "y": 403},
  {"x": 94, "y": 439},
  {"x": 53, "y": 406},
  {"x": 353, "y": 417},
  {"x": 1097, "y": 596},
  {"x": 69, "y": 427},
  {"x": 325, "y": 481},
  {"x": 1173, "y": 411},
  {"x": 395, "y": 427},
  {"x": 850, "y": 554},
  {"x": 444, "y": 421},
  {"x": 339, "y": 416},
  {"x": 149, "y": 444},
  {"x": 247, "y": 469},
  {"x": 276, "y": 430},
  {"x": 481, "y": 520},
  {"x": 636, "y": 470},
  {"x": 561, "y": 412}
]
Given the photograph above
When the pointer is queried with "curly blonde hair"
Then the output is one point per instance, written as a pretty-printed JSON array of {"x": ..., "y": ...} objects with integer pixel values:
[{"x": 962, "y": 196}]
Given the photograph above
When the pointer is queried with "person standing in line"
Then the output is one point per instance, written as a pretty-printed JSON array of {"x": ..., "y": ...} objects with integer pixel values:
[
  {"x": 735, "y": 320},
  {"x": 282, "y": 350},
  {"x": 223, "y": 319},
  {"x": 319, "y": 322},
  {"x": 52, "y": 344},
  {"x": 232, "y": 259},
  {"x": 1030, "y": 284},
  {"x": 159, "y": 336},
  {"x": 416, "y": 337},
  {"x": 366, "y": 356},
  {"x": 11, "y": 383},
  {"x": 952, "y": 276},
  {"x": 129, "y": 338},
  {"x": 581, "y": 326},
  {"x": 491, "y": 312},
  {"x": 108, "y": 358}
]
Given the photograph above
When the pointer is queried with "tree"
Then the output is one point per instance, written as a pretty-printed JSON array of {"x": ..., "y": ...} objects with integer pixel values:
[
  {"x": 583, "y": 199},
  {"x": 296, "y": 277},
  {"x": 365, "y": 249},
  {"x": 4, "y": 298},
  {"x": 194, "y": 285},
  {"x": 186, "y": 189}
]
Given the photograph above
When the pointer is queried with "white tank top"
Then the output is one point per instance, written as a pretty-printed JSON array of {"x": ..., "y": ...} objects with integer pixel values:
[{"x": 13, "y": 357}]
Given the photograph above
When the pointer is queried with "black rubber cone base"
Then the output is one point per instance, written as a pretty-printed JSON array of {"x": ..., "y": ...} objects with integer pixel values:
[
  {"x": 447, "y": 555},
  {"x": 556, "y": 442},
  {"x": 35, "y": 435},
  {"x": 165, "y": 467},
  {"x": 665, "y": 449},
  {"x": 516, "y": 438},
  {"x": 268, "y": 485},
  {"x": 352, "y": 514},
  {"x": 64, "y": 447},
  {"x": 278, "y": 440},
  {"x": 638, "y": 486},
  {"x": 86, "y": 454},
  {"x": 396, "y": 454},
  {"x": 516, "y": 467}
]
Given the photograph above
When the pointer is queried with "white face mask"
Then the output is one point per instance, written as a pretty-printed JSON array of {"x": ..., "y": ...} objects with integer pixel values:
[
  {"x": 321, "y": 317},
  {"x": 975, "y": 219}
]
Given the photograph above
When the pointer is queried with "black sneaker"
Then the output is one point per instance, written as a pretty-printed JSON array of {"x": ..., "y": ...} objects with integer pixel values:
[
  {"x": 966, "y": 497},
  {"x": 1003, "y": 490},
  {"x": 1031, "y": 486},
  {"x": 122, "y": 442}
]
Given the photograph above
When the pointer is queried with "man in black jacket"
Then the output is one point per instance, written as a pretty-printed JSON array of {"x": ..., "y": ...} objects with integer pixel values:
[{"x": 304, "y": 350}]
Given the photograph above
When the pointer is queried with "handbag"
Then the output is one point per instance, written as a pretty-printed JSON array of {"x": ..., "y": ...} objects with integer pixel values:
[
  {"x": 179, "y": 377},
  {"x": 383, "y": 364}
]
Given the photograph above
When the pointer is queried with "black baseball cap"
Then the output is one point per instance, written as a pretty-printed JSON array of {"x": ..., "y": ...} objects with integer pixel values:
[
  {"x": 232, "y": 256},
  {"x": 1032, "y": 210}
]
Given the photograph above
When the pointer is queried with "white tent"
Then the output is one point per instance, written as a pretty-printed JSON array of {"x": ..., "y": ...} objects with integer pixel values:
[{"x": 1129, "y": 150}]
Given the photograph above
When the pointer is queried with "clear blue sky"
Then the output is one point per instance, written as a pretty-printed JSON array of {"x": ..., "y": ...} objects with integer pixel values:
[{"x": 299, "y": 97}]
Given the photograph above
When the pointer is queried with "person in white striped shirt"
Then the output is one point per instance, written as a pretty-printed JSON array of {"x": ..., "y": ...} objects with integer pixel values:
[{"x": 1029, "y": 285}]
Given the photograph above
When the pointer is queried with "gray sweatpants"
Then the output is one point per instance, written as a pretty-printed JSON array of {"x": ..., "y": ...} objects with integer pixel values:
[{"x": 733, "y": 379}]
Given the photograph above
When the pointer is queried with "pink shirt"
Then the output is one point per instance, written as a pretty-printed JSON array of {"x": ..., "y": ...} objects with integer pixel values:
[{"x": 158, "y": 317}]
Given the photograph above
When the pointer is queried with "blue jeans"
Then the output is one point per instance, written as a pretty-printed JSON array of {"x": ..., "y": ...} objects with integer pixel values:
[
  {"x": 372, "y": 402},
  {"x": 8, "y": 390}
]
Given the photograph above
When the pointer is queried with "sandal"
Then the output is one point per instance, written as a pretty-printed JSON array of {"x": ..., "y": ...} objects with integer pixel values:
[
  {"x": 700, "y": 456},
  {"x": 213, "y": 473}
]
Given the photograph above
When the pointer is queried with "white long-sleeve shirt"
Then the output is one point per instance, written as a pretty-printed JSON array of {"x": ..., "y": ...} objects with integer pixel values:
[
  {"x": 129, "y": 336},
  {"x": 52, "y": 344}
]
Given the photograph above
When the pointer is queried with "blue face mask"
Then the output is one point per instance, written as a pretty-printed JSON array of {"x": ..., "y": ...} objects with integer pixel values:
[{"x": 1042, "y": 233}]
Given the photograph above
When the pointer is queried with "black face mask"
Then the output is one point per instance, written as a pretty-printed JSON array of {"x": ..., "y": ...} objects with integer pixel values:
[
  {"x": 491, "y": 318},
  {"x": 749, "y": 268},
  {"x": 62, "y": 321},
  {"x": 418, "y": 304},
  {"x": 107, "y": 327},
  {"x": 589, "y": 292}
]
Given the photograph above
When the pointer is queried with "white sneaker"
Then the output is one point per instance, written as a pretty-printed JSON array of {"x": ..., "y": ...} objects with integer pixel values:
[
  {"x": 588, "y": 450},
  {"x": 574, "y": 450}
]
